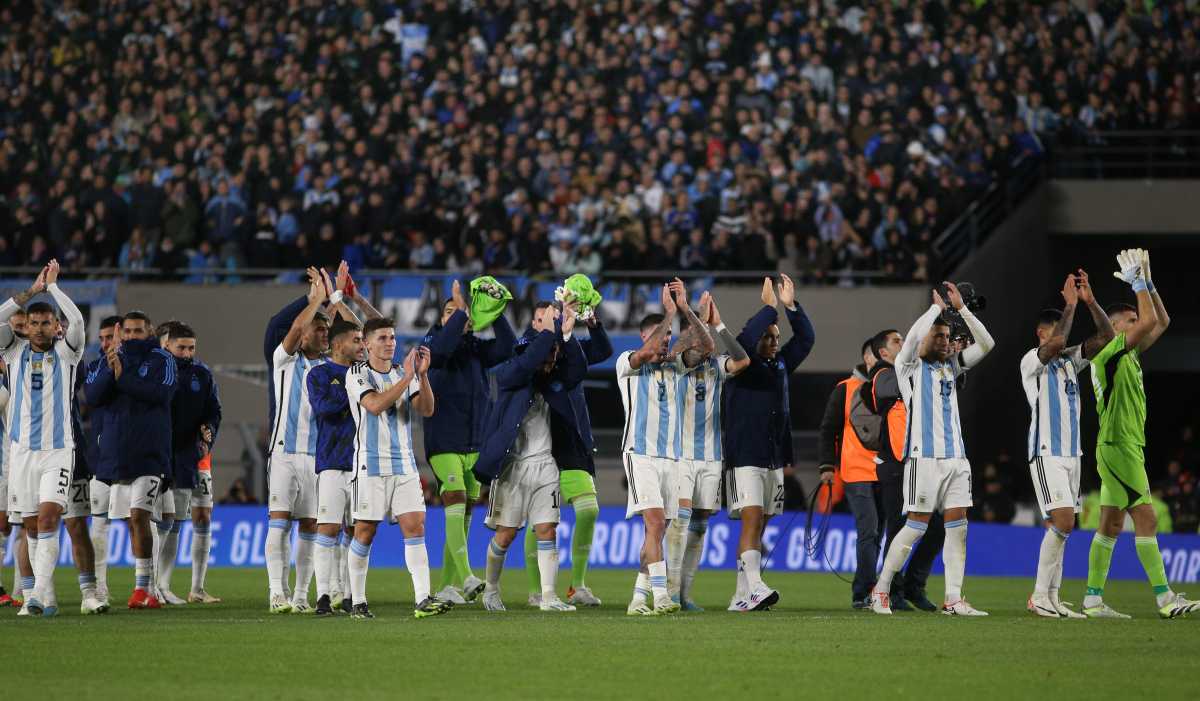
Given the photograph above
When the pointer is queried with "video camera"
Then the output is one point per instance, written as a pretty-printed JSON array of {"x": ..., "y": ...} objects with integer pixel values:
[{"x": 971, "y": 300}]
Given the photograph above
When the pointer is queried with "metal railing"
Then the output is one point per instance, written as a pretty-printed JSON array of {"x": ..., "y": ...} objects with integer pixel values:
[{"x": 1129, "y": 154}]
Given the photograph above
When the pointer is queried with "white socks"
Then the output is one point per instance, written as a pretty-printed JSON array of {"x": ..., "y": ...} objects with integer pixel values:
[
  {"x": 274, "y": 547},
  {"x": 547, "y": 557},
  {"x": 324, "y": 560},
  {"x": 416, "y": 558},
  {"x": 897, "y": 554},
  {"x": 752, "y": 567},
  {"x": 954, "y": 555},
  {"x": 658, "y": 580},
  {"x": 141, "y": 573},
  {"x": 159, "y": 531},
  {"x": 692, "y": 552},
  {"x": 1050, "y": 556},
  {"x": 304, "y": 566},
  {"x": 201, "y": 545},
  {"x": 167, "y": 555},
  {"x": 677, "y": 533},
  {"x": 99, "y": 534},
  {"x": 641, "y": 589},
  {"x": 742, "y": 590},
  {"x": 342, "y": 572},
  {"x": 43, "y": 566},
  {"x": 495, "y": 565},
  {"x": 360, "y": 558}
]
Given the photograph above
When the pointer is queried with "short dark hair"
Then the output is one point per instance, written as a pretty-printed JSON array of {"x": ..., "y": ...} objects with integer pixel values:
[
  {"x": 164, "y": 329},
  {"x": 650, "y": 321},
  {"x": 879, "y": 341},
  {"x": 542, "y": 304},
  {"x": 110, "y": 321},
  {"x": 341, "y": 326},
  {"x": 321, "y": 317},
  {"x": 178, "y": 329},
  {"x": 20, "y": 312},
  {"x": 941, "y": 321},
  {"x": 374, "y": 325},
  {"x": 1049, "y": 317},
  {"x": 137, "y": 315},
  {"x": 867, "y": 344},
  {"x": 42, "y": 308},
  {"x": 1118, "y": 307}
]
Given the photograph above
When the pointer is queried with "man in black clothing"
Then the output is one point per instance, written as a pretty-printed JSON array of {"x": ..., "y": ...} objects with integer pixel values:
[{"x": 908, "y": 586}]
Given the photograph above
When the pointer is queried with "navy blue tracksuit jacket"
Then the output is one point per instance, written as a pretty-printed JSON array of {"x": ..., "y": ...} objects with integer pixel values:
[{"x": 196, "y": 403}]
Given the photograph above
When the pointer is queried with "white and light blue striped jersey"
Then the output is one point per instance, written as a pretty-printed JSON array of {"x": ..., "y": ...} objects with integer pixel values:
[
  {"x": 651, "y": 407},
  {"x": 930, "y": 396},
  {"x": 4, "y": 451},
  {"x": 382, "y": 444},
  {"x": 295, "y": 430},
  {"x": 1053, "y": 394},
  {"x": 698, "y": 404},
  {"x": 42, "y": 392}
]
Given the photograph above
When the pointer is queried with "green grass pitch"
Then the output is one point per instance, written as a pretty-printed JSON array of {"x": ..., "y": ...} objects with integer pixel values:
[{"x": 812, "y": 645}]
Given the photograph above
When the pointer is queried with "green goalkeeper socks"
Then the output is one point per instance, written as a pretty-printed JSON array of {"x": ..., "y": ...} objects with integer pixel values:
[
  {"x": 531, "y": 562},
  {"x": 1099, "y": 559},
  {"x": 454, "y": 556},
  {"x": 1152, "y": 562},
  {"x": 587, "y": 510}
]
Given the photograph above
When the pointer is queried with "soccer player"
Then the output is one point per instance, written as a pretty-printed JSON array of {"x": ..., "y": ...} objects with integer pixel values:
[
  {"x": 699, "y": 389},
  {"x": 1050, "y": 377},
  {"x": 291, "y": 470},
  {"x": 335, "y": 456},
  {"x": 137, "y": 383},
  {"x": 531, "y": 425},
  {"x": 1121, "y": 405},
  {"x": 386, "y": 482},
  {"x": 758, "y": 436},
  {"x": 647, "y": 379},
  {"x": 5, "y": 526},
  {"x": 195, "y": 420},
  {"x": 576, "y": 480},
  {"x": 460, "y": 362},
  {"x": 104, "y": 471},
  {"x": 39, "y": 423},
  {"x": 937, "y": 476}
]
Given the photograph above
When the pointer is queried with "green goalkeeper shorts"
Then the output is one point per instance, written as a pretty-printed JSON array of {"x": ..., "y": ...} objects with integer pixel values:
[
  {"x": 1123, "y": 480},
  {"x": 575, "y": 483},
  {"x": 453, "y": 471}
]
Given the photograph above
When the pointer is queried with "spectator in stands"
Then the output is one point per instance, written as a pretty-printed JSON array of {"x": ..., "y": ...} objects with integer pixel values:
[{"x": 238, "y": 493}]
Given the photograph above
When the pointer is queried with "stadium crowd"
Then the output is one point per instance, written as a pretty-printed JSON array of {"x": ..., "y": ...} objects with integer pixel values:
[{"x": 819, "y": 137}]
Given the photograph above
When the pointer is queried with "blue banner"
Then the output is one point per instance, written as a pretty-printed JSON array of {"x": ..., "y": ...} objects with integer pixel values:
[{"x": 992, "y": 550}]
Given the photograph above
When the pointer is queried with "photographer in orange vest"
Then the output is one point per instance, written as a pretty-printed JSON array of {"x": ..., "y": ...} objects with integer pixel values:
[{"x": 841, "y": 453}]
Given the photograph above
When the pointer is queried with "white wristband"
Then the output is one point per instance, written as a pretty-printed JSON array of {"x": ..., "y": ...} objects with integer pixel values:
[
  {"x": 719, "y": 327},
  {"x": 336, "y": 297}
]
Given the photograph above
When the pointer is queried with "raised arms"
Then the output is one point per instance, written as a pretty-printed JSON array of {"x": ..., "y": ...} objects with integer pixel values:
[
  {"x": 1054, "y": 345},
  {"x": 1160, "y": 311},
  {"x": 1104, "y": 328}
]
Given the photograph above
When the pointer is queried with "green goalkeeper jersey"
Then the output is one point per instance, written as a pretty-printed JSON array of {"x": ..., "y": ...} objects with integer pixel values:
[{"x": 1120, "y": 394}]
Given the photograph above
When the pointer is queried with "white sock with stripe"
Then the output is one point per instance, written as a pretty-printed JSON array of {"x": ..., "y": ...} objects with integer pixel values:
[
  {"x": 495, "y": 565},
  {"x": 201, "y": 548},
  {"x": 898, "y": 551},
  {"x": 658, "y": 580},
  {"x": 416, "y": 558},
  {"x": 676, "y": 542},
  {"x": 276, "y": 534},
  {"x": 1050, "y": 556},
  {"x": 547, "y": 557},
  {"x": 954, "y": 555},
  {"x": 323, "y": 562},
  {"x": 99, "y": 535},
  {"x": 641, "y": 589},
  {"x": 359, "y": 561},
  {"x": 305, "y": 544}
]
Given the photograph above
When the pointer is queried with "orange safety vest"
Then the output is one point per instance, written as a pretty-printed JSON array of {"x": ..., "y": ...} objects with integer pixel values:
[
  {"x": 858, "y": 463},
  {"x": 897, "y": 422}
]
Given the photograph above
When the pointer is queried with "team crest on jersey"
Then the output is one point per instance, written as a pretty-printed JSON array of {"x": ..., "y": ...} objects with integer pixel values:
[
  {"x": 195, "y": 384},
  {"x": 144, "y": 369},
  {"x": 556, "y": 386}
]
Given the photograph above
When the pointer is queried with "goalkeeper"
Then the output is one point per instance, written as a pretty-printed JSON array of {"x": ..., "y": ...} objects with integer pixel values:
[{"x": 1121, "y": 405}]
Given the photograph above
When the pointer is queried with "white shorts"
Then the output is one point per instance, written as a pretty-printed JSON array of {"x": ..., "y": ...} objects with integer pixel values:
[
  {"x": 202, "y": 494},
  {"x": 140, "y": 493},
  {"x": 700, "y": 481},
  {"x": 38, "y": 476},
  {"x": 333, "y": 497},
  {"x": 180, "y": 500},
  {"x": 386, "y": 498},
  {"x": 526, "y": 492},
  {"x": 79, "y": 501},
  {"x": 292, "y": 482},
  {"x": 1056, "y": 484},
  {"x": 653, "y": 484},
  {"x": 4, "y": 495},
  {"x": 936, "y": 484},
  {"x": 754, "y": 486},
  {"x": 100, "y": 494}
]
